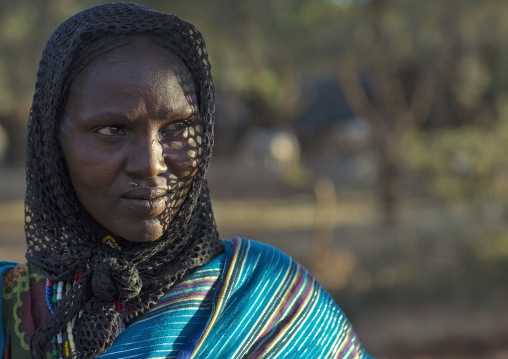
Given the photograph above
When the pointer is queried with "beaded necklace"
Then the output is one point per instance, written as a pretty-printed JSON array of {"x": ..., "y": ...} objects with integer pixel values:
[{"x": 62, "y": 344}]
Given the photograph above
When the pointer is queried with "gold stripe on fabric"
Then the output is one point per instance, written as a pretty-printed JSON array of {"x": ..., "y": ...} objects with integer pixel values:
[
  {"x": 347, "y": 335},
  {"x": 276, "y": 312},
  {"x": 198, "y": 280},
  {"x": 297, "y": 314},
  {"x": 220, "y": 301},
  {"x": 267, "y": 308}
]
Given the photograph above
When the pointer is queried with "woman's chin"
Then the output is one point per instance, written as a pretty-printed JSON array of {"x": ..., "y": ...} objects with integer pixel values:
[{"x": 148, "y": 231}]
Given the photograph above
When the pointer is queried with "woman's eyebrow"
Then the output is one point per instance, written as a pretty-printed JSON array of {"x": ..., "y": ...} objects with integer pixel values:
[
  {"x": 183, "y": 111},
  {"x": 110, "y": 115}
]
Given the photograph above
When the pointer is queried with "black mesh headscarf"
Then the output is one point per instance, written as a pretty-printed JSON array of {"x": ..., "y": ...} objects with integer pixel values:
[{"x": 59, "y": 235}]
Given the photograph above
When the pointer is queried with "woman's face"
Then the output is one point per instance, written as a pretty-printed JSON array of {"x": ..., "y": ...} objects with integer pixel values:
[{"x": 131, "y": 137}]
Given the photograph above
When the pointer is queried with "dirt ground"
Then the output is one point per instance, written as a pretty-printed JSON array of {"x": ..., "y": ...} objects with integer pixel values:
[{"x": 429, "y": 329}]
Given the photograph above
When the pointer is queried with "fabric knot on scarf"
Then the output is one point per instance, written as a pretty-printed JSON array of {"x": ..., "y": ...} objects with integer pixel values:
[{"x": 114, "y": 278}]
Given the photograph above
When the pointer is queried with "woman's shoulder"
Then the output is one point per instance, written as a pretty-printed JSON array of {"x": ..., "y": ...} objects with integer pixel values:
[
  {"x": 259, "y": 259},
  {"x": 280, "y": 306},
  {"x": 249, "y": 260},
  {"x": 252, "y": 267},
  {"x": 252, "y": 250}
]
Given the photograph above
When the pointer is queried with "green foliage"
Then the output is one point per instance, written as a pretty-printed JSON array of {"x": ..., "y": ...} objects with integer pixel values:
[
  {"x": 263, "y": 47},
  {"x": 463, "y": 162},
  {"x": 268, "y": 46},
  {"x": 25, "y": 26}
]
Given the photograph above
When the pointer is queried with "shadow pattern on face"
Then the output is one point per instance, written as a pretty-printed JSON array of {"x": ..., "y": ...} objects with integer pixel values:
[
  {"x": 192, "y": 142},
  {"x": 60, "y": 239},
  {"x": 144, "y": 140}
]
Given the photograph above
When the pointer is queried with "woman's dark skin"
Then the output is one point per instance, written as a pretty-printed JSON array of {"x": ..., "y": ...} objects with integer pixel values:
[{"x": 131, "y": 137}]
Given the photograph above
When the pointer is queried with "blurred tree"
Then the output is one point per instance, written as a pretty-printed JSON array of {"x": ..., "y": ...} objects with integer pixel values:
[
  {"x": 262, "y": 49},
  {"x": 25, "y": 26},
  {"x": 400, "y": 96},
  {"x": 427, "y": 63},
  {"x": 433, "y": 63},
  {"x": 466, "y": 162}
]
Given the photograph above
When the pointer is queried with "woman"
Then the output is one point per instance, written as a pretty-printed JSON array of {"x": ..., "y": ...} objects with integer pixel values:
[{"x": 124, "y": 260}]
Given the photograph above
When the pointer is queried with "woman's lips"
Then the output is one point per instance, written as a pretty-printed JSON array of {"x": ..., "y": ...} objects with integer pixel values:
[
  {"x": 151, "y": 201},
  {"x": 145, "y": 193}
]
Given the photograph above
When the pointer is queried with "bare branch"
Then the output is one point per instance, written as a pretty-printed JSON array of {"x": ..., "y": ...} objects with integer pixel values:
[
  {"x": 355, "y": 94},
  {"x": 423, "y": 98}
]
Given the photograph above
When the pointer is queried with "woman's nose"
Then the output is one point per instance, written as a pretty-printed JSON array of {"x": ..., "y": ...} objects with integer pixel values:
[{"x": 146, "y": 159}]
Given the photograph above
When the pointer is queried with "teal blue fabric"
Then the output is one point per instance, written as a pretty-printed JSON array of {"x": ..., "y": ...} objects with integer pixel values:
[
  {"x": 252, "y": 301},
  {"x": 161, "y": 332},
  {"x": 262, "y": 304}
]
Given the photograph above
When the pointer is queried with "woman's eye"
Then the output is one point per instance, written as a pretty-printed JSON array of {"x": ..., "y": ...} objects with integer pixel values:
[
  {"x": 175, "y": 127},
  {"x": 111, "y": 131}
]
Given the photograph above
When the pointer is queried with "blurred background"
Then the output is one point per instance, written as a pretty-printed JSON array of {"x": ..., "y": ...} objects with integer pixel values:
[{"x": 368, "y": 139}]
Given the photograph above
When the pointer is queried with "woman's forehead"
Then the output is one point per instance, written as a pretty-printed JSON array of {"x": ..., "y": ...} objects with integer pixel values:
[
  {"x": 133, "y": 77},
  {"x": 140, "y": 62},
  {"x": 143, "y": 51}
]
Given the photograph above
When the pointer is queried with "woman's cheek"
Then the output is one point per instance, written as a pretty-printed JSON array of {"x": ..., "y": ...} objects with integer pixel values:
[
  {"x": 194, "y": 145},
  {"x": 183, "y": 165}
]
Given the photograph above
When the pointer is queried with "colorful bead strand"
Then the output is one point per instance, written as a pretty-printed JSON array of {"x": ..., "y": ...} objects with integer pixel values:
[
  {"x": 70, "y": 347},
  {"x": 55, "y": 291},
  {"x": 60, "y": 344},
  {"x": 59, "y": 292},
  {"x": 63, "y": 344},
  {"x": 70, "y": 337},
  {"x": 54, "y": 346},
  {"x": 111, "y": 242},
  {"x": 49, "y": 296}
]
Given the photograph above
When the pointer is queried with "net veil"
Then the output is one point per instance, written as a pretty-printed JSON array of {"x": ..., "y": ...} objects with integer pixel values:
[{"x": 60, "y": 239}]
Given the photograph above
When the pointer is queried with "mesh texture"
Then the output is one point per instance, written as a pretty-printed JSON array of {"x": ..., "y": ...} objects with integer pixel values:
[{"x": 58, "y": 233}]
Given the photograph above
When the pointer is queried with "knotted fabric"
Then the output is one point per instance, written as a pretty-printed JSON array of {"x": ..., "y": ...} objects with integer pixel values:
[
  {"x": 60, "y": 238},
  {"x": 114, "y": 278}
]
